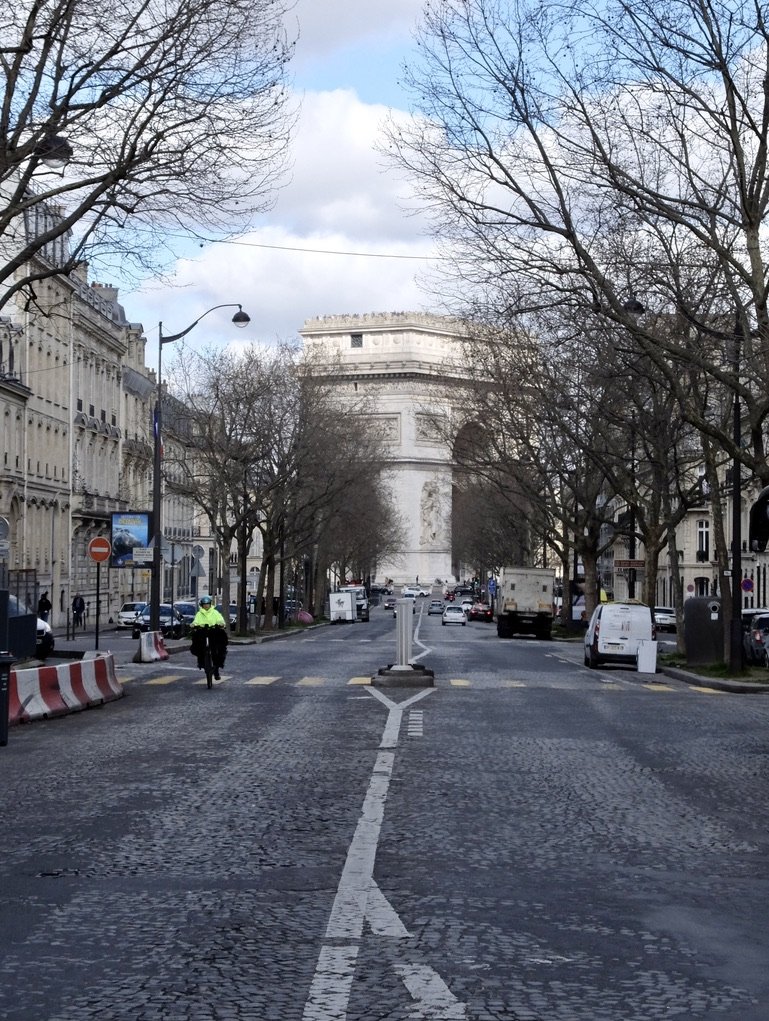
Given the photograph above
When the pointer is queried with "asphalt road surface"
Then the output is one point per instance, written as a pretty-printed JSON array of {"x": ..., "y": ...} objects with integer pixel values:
[{"x": 529, "y": 840}]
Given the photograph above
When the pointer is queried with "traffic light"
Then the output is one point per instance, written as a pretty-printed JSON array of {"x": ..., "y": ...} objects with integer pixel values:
[{"x": 759, "y": 522}]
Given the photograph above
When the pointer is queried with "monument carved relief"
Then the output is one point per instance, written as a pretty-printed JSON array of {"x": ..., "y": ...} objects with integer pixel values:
[{"x": 430, "y": 513}]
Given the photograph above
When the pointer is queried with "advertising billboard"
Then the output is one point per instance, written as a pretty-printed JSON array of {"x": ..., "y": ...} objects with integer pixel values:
[{"x": 131, "y": 536}]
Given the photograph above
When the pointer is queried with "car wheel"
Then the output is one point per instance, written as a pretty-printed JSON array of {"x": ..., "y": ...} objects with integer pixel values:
[
  {"x": 592, "y": 659},
  {"x": 443, "y": 623}
]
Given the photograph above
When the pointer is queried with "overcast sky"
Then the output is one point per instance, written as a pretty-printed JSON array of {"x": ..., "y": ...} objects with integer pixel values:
[{"x": 338, "y": 198}]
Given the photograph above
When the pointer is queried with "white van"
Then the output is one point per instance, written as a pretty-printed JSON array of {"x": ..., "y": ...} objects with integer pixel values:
[{"x": 614, "y": 631}]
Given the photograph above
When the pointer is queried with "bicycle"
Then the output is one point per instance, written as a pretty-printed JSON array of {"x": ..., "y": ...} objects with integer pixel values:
[{"x": 206, "y": 655}]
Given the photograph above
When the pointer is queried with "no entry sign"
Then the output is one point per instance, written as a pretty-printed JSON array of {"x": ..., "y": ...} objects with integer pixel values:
[{"x": 99, "y": 549}]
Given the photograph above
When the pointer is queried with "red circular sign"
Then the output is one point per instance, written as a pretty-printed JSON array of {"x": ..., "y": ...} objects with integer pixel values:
[{"x": 99, "y": 549}]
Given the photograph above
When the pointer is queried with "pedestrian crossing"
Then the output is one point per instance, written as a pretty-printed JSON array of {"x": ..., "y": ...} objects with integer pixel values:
[{"x": 188, "y": 676}]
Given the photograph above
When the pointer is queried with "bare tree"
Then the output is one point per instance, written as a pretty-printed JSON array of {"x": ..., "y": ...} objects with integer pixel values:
[
  {"x": 269, "y": 450},
  {"x": 579, "y": 156},
  {"x": 164, "y": 119}
]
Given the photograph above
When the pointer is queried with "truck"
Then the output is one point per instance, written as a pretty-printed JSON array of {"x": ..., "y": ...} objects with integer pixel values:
[
  {"x": 361, "y": 600},
  {"x": 342, "y": 607},
  {"x": 525, "y": 601}
]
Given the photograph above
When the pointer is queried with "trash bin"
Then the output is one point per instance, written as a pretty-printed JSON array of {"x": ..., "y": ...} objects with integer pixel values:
[
  {"x": 647, "y": 657},
  {"x": 703, "y": 630}
]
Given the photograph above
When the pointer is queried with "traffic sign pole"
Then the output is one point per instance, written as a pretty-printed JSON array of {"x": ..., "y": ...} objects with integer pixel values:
[
  {"x": 99, "y": 550},
  {"x": 98, "y": 603}
]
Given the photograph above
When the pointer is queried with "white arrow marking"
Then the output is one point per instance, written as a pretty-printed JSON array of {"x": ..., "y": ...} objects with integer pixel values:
[
  {"x": 434, "y": 999},
  {"x": 359, "y": 899}
]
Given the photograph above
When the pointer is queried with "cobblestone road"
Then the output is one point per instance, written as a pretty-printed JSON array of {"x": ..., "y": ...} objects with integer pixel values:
[{"x": 530, "y": 841}]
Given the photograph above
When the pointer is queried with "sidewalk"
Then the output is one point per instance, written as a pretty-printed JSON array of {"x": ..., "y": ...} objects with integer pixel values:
[{"x": 125, "y": 648}]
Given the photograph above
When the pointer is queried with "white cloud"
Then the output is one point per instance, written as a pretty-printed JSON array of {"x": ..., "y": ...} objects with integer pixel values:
[{"x": 339, "y": 199}]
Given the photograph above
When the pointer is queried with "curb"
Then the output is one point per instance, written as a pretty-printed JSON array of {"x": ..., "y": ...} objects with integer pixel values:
[{"x": 717, "y": 684}]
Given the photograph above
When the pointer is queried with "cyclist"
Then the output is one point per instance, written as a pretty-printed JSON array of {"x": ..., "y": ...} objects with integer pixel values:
[{"x": 209, "y": 617}]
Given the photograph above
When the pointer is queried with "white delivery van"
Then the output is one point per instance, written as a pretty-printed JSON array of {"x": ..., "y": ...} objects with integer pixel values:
[
  {"x": 614, "y": 631},
  {"x": 342, "y": 607}
]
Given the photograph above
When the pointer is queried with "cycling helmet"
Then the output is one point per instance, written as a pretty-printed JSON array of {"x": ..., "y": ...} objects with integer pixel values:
[{"x": 206, "y": 600}]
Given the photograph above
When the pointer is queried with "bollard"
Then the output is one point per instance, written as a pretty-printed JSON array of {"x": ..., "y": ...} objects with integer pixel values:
[
  {"x": 405, "y": 624},
  {"x": 5, "y": 678}
]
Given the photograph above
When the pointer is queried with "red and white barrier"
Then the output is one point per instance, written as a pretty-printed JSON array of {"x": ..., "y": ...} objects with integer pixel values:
[
  {"x": 152, "y": 647},
  {"x": 55, "y": 690}
]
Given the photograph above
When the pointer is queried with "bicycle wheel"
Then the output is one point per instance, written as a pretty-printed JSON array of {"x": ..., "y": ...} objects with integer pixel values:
[{"x": 209, "y": 667}]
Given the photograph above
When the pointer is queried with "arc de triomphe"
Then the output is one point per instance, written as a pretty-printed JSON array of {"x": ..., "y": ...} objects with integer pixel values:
[{"x": 404, "y": 366}]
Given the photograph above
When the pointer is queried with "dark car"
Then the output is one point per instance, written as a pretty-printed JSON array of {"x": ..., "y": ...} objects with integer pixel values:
[
  {"x": 756, "y": 639},
  {"x": 188, "y": 611},
  {"x": 171, "y": 622},
  {"x": 44, "y": 640},
  {"x": 233, "y": 614},
  {"x": 480, "y": 611}
]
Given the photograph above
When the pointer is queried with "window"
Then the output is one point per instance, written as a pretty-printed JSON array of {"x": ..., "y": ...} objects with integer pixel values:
[
  {"x": 702, "y": 586},
  {"x": 356, "y": 340},
  {"x": 703, "y": 541}
]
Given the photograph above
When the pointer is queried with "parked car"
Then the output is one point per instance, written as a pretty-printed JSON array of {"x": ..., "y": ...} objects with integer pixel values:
[
  {"x": 749, "y": 614},
  {"x": 756, "y": 640},
  {"x": 664, "y": 618},
  {"x": 481, "y": 611},
  {"x": 188, "y": 611},
  {"x": 171, "y": 622},
  {"x": 614, "y": 632},
  {"x": 454, "y": 615},
  {"x": 436, "y": 606},
  {"x": 233, "y": 614},
  {"x": 128, "y": 613}
]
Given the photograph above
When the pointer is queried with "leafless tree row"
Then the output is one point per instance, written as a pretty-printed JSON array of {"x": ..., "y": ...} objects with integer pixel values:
[
  {"x": 266, "y": 449},
  {"x": 598, "y": 178}
]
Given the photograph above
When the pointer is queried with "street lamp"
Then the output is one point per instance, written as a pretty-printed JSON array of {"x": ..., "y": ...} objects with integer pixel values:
[
  {"x": 240, "y": 319},
  {"x": 735, "y": 626}
]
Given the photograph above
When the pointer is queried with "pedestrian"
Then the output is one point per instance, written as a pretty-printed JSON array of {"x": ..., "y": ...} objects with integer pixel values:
[
  {"x": 44, "y": 606},
  {"x": 78, "y": 609}
]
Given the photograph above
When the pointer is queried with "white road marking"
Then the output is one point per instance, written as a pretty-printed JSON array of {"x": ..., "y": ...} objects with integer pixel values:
[
  {"x": 358, "y": 899},
  {"x": 416, "y": 723},
  {"x": 433, "y": 997}
]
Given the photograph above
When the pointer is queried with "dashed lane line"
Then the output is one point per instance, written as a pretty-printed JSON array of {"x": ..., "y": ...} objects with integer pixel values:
[
  {"x": 262, "y": 680},
  {"x": 167, "y": 679},
  {"x": 460, "y": 682},
  {"x": 359, "y": 680},
  {"x": 310, "y": 682}
]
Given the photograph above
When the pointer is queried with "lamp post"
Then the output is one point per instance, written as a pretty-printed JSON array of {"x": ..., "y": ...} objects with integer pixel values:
[
  {"x": 239, "y": 319},
  {"x": 735, "y": 629}
]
